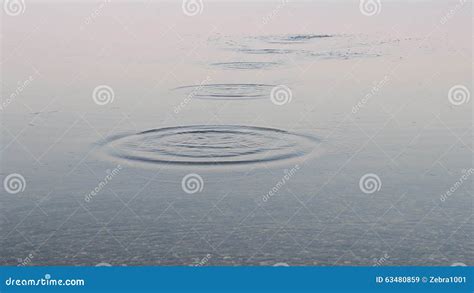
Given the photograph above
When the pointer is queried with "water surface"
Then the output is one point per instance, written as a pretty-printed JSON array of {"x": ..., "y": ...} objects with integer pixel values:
[{"x": 278, "y": 182}]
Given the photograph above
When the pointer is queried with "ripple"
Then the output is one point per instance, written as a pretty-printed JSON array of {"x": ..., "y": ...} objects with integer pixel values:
[
  {"x": 210, "y": 145},
  {"x": 245, "y": 65},
  {"x": 236, "y": 91},
  {"x": 264, "y": 51},
  {"x": 343, "y": 54},
  {"x": 292, "y": 39}
]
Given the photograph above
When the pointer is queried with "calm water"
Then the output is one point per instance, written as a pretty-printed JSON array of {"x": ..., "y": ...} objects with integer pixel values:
[{"x": 249, "y": 134}]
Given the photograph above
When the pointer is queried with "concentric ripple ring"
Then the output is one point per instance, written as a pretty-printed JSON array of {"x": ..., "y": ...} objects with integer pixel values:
[
  {"x": 237, "y": 91},
  {"x": 210, "y": 145}
]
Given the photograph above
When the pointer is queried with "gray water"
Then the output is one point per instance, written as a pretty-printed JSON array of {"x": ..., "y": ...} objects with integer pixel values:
[{"x": 262, "y": 133}]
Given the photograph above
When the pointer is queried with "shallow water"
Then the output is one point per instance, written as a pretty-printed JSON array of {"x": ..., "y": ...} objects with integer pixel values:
[{"x": 242, "y": 133}]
